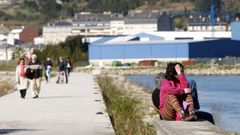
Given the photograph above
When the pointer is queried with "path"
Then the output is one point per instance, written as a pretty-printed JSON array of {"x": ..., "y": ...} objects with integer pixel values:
[{"x": 75, "y": 108}]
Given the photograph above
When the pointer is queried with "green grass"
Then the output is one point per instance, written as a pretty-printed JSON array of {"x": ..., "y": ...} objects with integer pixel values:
[{"x": 125, "y": 112}]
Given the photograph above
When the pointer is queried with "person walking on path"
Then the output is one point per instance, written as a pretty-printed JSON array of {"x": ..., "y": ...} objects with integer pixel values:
[
  {"x": 69, "y": 66},
  {"x": 21, "y": 79},
  {"x": 48, "y": 67},
  {"x": 174, "y": 90},
  {"x": 62, "y": 70},
  {"x": 35, "y": 76}
]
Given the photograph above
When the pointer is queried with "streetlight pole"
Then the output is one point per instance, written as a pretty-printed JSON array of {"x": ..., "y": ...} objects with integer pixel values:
[{"x": 212, "y": 19}]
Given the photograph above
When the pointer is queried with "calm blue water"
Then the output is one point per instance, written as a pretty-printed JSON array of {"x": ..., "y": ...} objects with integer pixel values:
[{"x": 219, "y": 94}]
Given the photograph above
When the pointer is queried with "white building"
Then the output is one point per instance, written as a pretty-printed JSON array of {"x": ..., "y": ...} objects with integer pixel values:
[
  {"x": 117, "y": 27},
  {"x": 3, "y": 33},
  {"x": 6, "y": 52},
  {"x": 14, "y": 35},
  {"x": 92, "y": 24},
  {"x": 138, "y": 21},
  {"x": 38, "y": 40},
  {"x": 192, "y": 35},
  {"x": 114, "y": 24},
  {"x": 56, "y": 33},
  {"x": 203, "y": 23},
  {"x": 89, "y": 24}
]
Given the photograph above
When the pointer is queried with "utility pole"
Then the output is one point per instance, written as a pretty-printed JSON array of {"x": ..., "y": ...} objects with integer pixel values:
[{"x": 212, "y": 18}]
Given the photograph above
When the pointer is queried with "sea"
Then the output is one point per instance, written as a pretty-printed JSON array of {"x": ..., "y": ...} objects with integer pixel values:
[{"x": 219, "y": 95}]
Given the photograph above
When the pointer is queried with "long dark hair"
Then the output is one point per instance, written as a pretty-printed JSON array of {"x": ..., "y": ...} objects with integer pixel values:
[{"x": 170, "y": 71}]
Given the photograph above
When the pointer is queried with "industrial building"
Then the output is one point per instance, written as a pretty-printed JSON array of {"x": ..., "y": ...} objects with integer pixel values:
[{"x": 145, "y": 46}]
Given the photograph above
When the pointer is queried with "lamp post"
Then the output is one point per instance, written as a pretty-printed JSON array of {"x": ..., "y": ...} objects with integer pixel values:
[{"x": 212, "y": 19}]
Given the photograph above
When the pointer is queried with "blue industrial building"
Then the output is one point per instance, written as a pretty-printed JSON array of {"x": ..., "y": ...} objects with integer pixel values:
[{"x": 149, "y": 47}]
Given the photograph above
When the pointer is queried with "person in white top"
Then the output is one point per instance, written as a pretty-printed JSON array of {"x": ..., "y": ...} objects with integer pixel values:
[{"x": 21, "y": 79}]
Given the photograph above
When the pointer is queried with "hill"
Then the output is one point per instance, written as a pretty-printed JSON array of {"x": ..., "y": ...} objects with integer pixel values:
[{"x": 40, "y": 12}]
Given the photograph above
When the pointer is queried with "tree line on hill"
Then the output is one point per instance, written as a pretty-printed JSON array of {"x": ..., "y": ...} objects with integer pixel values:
[
  {"x": 40, "y": 12},
  {"x": 51, "y": 9}
]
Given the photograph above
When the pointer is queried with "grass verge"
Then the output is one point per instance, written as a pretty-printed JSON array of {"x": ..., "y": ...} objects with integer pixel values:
[
  {"x": 125, "y": 112},
  {"x": 7, "y": 65},
  {"x": 5, "y": 87}
]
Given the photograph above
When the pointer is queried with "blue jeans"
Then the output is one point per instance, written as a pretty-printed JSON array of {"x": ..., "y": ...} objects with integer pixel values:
[{"x": 193, "y": 86}]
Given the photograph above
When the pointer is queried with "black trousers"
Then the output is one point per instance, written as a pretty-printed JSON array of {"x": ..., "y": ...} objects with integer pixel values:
[{"x": 23, "y": 93}]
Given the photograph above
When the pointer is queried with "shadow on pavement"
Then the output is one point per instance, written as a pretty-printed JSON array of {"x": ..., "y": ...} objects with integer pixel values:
[{"x": 6, "y": 131}]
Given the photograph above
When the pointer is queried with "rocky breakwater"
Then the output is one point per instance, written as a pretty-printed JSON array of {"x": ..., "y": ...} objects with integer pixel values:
[
  {"x": 213, "y": 71},
  {"x": 156, "y": 70}
]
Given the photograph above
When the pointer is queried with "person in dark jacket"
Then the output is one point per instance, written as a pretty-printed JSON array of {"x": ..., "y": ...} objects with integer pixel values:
[
  {"x": 34, "y": 75},
  {"x": 62, "y": 70},
  {"x": 69, "y": 66}
]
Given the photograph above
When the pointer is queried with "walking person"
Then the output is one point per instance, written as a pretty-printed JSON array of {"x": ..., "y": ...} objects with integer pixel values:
[
  {"x": 174, "y": 90},
  {"x": 21, "y": 78},
  {"x": 48, "y": 73},
  {"x": 62, "y": 71},
  {"x": 69, "y": 66},
  {"x": 48, "y": 68},
  {"x": 35, "y": 76}
]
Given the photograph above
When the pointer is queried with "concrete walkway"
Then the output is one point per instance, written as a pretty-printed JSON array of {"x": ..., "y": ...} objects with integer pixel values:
[{"x": 75, "y": 108}]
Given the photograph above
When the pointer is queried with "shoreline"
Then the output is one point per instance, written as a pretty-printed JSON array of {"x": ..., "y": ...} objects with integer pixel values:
[{"x": 155, "y": 70}]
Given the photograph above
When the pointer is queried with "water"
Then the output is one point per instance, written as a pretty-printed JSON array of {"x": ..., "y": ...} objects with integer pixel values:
[{"x": 217, "y": 94}]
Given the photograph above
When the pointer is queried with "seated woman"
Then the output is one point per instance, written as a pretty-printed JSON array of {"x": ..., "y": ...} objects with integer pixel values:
[{"x": 174, "y": 90}]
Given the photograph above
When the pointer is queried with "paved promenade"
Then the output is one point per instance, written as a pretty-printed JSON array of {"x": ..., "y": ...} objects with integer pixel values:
[{"x": 75, "y": 108}]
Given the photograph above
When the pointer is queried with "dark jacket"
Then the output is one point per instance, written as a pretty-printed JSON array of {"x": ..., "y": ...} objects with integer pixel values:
[
  {"x": 48, "y": 63},
  {"x": 35, "y": 70},
  {"x": 62, "y": 66}
]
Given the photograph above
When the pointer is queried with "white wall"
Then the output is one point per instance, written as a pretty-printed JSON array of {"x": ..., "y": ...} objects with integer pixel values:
[
  {"x": 54, "y": 34},
  {"x": 108, "y": 62},
  {"x": 130, "y": 29},
  {"x": 117, "y": 27},
  {"x": 188, "y": 34},
  {"x": 38, "y": 40},
  {"x": 13, "y": 35},
  {"x": 3, "y": 37},
  {"x": 207, "y": 28}
]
